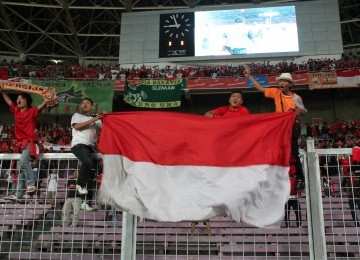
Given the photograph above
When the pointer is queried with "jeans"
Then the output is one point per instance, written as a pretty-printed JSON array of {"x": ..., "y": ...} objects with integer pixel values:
[
  {"x": 19, "y": 189},
  {"x": 86, "y": 174},
  {"x": 25, "y": 166}
]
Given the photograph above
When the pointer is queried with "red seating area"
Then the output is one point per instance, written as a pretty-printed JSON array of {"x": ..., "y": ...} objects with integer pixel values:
[{"x": 228, "y": 239}]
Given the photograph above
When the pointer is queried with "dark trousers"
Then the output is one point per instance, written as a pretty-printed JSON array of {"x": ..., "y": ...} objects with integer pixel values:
[
  {"x": 294, "y": 204},
  {"x": 296, "y": 131},
  {"x": 352, "y": 203},
  {"x": 86, "y": 174}
]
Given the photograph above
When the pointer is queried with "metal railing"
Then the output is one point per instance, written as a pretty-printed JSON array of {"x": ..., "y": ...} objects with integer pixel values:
[{"x": 322, "y": 228}]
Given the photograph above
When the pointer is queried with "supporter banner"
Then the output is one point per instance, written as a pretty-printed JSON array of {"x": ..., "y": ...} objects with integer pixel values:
[
  {"x": 218, "y": 83},
  {"x": 71, "y": 92},
  {"x": 221, "y": 83},
  {"x": 320, "y": 80},
  {"x": 300, "y": 79},
  {"x": 47, "y": 93},
  {"x": 150, "y": 93},
  {"x": 194, "y": 167},
  {"x": 228, "y": 83},
  {"x": 332, "y": 79}
]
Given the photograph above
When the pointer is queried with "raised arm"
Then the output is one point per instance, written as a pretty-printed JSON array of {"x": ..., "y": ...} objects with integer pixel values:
[
  {"x": 256, "y": 84},
  {"x": 6, "y": 97},
  {"x": 42, "y": 105}
]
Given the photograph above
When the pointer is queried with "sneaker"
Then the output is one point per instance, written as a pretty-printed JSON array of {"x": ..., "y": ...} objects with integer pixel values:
[
  {"x": 30, "y": 189},
  {"x": 81, "y": 190},
  {"x": 86, "y": 207},
  {"x": 300, "y": 185},
  {"x": 11, "y": 197}
]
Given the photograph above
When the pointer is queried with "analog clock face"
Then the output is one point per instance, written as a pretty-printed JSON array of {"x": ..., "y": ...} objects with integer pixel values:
[
  {"x": 176, "y": 37},
  {"x": 176, "y": 25}
]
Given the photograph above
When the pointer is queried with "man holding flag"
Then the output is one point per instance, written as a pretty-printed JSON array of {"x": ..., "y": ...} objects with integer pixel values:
[
  {"x": 286, "y": 101},
  {"x": 234, "y": 109},
  {"x": 85, "y": 129},
  {"x": 175, "y": 167}
]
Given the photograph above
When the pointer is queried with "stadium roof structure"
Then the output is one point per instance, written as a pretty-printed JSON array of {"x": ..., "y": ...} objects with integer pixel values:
[{"x": 73, "y": 29}]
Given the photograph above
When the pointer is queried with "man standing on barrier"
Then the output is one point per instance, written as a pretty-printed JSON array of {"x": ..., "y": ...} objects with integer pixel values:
[
  {"x": 26, "y": 139},
  {"x": 286, "y": 101},
  {"x": 85, "y": 129}
]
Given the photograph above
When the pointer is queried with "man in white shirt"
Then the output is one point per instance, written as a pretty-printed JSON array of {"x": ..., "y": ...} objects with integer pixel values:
[{"x": 85, "y": 129}]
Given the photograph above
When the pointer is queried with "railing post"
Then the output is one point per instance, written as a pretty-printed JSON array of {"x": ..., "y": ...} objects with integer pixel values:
[
  {"x": 128, "y": 236},
  {"x": 315, "y": 216}
]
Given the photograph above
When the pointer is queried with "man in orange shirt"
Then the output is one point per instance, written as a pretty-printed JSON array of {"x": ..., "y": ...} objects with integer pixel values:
[{"x": 286, "y": 101}]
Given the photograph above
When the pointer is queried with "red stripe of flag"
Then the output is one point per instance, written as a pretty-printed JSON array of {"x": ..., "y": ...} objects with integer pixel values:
[{"x": 182, "y": 139}]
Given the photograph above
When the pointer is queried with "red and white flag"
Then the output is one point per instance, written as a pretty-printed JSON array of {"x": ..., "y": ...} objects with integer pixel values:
[
  {"x": 350, "y": 78},
  {"x": 174, "y": 167}
]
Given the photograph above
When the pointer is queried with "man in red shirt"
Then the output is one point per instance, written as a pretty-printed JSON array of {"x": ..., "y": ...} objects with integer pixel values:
[
  {"x": 25, "y": 126},
  {"x": 234, "y": 109}
]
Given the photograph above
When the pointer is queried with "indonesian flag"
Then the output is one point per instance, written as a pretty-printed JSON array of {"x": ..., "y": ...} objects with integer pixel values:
[
  {"x": 348, "y": 78},
  {"x": 174, "y": 167}
]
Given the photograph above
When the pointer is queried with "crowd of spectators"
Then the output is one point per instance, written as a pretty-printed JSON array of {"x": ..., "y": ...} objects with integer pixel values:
[
  {"x": 338, "y": 134},
  {"x": 53, "y": 138},
  {"x": 65, "y": 70}
]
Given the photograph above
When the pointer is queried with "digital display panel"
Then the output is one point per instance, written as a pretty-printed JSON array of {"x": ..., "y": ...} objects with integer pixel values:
[{"x": 246, "y": 31}]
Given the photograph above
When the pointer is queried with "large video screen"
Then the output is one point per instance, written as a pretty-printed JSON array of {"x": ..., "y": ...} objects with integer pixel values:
[{"x": 246, "y": 31}]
